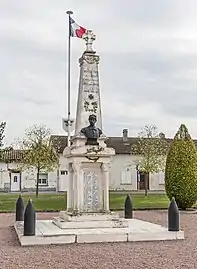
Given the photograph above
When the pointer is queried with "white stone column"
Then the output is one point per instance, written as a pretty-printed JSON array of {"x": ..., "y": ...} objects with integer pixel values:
[
  {"x": 105, "y": 170},
  {"x": 70, "y": 188},
  {"x": 77, "y": 186},
  {"x": 79, "y": 183},
  {"x": 74, "y": 188}
]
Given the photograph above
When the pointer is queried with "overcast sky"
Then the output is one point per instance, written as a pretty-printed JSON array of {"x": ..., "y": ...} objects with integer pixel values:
[{"x": 148, "y": 66}]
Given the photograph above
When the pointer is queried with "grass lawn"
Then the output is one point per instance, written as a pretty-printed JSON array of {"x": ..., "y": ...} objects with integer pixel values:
[
  {"x": 57, "y": 202},
  {"x": 139, "y": 201}
]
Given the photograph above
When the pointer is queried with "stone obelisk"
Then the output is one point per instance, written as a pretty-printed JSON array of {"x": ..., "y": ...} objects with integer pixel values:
[
  {"x": 88, "y": 158},
  {"x": 89, "y": 101}
]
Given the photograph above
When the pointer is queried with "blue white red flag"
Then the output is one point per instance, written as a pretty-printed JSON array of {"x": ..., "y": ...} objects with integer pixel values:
[{"x": 76, "y": 30}]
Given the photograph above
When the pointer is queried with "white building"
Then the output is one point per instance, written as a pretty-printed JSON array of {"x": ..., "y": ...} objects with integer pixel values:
[
  {"x": 14, "y": 179},
  {"x": 124, "y": 176}
]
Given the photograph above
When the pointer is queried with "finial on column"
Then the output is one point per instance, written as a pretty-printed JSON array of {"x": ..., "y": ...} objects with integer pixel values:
[{"x": 89, "y": 37}]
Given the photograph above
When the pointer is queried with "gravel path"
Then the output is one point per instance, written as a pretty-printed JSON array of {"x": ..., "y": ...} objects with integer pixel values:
[{"x": 147, "y": 255}]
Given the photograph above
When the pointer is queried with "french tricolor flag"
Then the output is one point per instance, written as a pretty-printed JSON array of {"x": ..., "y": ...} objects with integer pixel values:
[{"x": 75, "y": 29}]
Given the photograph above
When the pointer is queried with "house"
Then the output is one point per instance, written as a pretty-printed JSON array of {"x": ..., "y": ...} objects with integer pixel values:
[
  {"x": 14, "y": 179},
  {"x": 124, "y": 173}
]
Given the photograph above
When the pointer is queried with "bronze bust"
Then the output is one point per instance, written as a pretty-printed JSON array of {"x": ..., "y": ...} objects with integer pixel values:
[{"x": 91, "y": 132}]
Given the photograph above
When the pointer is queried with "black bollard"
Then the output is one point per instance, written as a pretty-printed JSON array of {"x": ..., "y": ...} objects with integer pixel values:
[
  {"x": 19, "y": 209},
  {"x": 128, "y": 207},
  {"x": 29, "y": 220},
  {"x": 173, "y": 216}
]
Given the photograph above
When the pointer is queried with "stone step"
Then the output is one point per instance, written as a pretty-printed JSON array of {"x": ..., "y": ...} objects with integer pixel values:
[
  {"x": 89, "y": 216},
  {"x": 90, "y": 224}
]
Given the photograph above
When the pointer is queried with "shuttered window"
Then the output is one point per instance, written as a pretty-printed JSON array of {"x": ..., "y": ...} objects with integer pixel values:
[{"x": 128, "y": 175}]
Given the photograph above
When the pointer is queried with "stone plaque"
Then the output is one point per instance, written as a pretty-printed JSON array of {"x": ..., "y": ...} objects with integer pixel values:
[
  {"x": 91, "y": 191},
  {"x": 91, "y": 80}
]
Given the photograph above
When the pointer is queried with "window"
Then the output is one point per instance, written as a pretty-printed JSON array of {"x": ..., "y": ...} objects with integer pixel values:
[
  {"x": 43, "y": 179},
  {"x": 15, "y": 178},
  {"x": 64, "y": 172},
  {"x": 161, "y": 178},
  {"x": 126, "y": 176}
]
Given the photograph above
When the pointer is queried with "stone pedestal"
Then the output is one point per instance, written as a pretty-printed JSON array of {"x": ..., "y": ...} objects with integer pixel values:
[
  {"x": 89, "y": 168},
  {"x": 88, "y": 192}
]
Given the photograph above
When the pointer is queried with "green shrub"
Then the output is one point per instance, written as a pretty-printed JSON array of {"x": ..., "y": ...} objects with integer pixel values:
[{"x": 181, "y": 170}]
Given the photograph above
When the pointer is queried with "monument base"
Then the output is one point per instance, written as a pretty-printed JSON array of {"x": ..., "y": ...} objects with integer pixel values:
[
  {"x": 47, "y": 233},
  {"x": 67, "y": 220}
]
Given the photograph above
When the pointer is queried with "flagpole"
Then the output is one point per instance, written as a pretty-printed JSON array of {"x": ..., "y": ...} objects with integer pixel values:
[{"x": 69, "y": 52}]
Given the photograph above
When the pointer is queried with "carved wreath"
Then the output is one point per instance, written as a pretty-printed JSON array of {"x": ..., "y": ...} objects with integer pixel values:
[
  {"x": 94, "y": 106},
  {"x": 95, "y": 150},
  {"x": 91, "y": 59},
  {"x": 86, "y": 105},
  {"x": 95, "y": 159}
]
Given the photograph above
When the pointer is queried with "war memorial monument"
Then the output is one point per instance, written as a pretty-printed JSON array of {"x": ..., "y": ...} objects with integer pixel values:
[{"x": 88, "y": 218}]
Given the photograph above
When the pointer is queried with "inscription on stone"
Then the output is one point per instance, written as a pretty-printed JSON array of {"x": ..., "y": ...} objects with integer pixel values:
[
  {"x": 91, "y": 191},
  {"x": 91, "y": 89},
  {"x": 91, "y": 81}
]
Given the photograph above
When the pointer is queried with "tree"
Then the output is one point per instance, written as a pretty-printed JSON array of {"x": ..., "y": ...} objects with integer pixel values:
[
  {"x": 152, "y": 148},
  {"x": 2, "y": 136},
  {"x": 38, "y": 151},
  {"x": 181, "y": 169}
]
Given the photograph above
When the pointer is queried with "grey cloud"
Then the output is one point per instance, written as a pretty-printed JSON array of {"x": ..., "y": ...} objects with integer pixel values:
[
  {"x": 20, "y": 45},
  {"x": 28, "y": 67},
  {"x": 149, "y": 77},
  {"x": 114, "y": 125},
  {"x": 170, "y": 87},
  {"x": 143, "y": 12},
  {"x": 182, "y": 110},
  {"x": 37, "y": 101}
]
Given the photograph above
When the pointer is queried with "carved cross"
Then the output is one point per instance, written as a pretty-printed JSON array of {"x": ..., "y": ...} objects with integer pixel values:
[{"x": 89, "y": 37}]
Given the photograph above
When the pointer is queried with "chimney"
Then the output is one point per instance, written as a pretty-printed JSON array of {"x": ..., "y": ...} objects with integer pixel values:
[
  {"x": 162, "y": 135},
  {"x": 125, "y": 135}
]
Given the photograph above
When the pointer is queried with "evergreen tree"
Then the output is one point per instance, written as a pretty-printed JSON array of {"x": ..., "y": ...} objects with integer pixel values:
[{"x": 181, "y": 170}]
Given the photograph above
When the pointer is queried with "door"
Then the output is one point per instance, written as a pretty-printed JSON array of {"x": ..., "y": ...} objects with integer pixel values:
[
  {"x": 15, "y": 182},
  {"x": 142, "y": 181}
]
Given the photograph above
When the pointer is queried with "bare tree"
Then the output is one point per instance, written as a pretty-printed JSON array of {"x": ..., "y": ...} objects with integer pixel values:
[
  {"x": 152, "y": 148},
  {"x": 38, "y": 151},
  {"x": 2, "y": 136}
]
